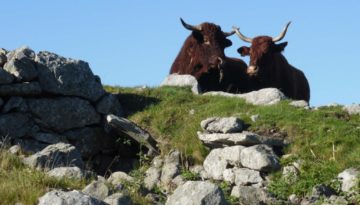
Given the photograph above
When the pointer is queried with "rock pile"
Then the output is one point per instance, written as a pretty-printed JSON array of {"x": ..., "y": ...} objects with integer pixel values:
[{"x": 56, "y": 109}]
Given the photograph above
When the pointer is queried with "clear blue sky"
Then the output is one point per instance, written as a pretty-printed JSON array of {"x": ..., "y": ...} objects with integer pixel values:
[{"x": 130, "y": 43}]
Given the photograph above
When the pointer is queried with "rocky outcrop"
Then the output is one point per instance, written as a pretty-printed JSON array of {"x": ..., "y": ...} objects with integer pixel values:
[{"x": 181, "y": 81}]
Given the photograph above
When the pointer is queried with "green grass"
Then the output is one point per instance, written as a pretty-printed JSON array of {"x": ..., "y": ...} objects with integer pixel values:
[
  {"x": 166, "y": 114},
  {"x": 21, "y": 184}
]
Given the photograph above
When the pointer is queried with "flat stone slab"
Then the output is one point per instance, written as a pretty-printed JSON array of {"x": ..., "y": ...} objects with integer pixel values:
[
  {"x": 222, "y": 125},
  {"x": 215, "y": 140}
]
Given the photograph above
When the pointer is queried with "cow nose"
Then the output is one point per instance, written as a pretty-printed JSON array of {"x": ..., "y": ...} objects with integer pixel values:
[{"x": 252, "y": 70}]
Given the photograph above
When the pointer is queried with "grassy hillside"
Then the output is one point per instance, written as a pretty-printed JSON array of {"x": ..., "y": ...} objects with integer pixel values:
[
  {"x": 327, "y": 140},
  {"x": 173, "y": 116}
]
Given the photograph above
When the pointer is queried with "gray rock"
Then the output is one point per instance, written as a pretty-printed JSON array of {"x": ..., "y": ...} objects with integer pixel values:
[
  {"x": 118, "y": 199},
  {"x": 57, "y": 155},
  {"x": 219, "y": 159},
  {"x": 157, "y": 162},
  {"x": 353, "y": 109},
  {"x": 21, "y": 89},
  {"x": 97, "y": 189},
  {"x": 247, "y": 177},
  {"x": 15, "y": 103},
  {"x": 63, "y": 113},
  {"x": 30, "y": 146},
  {"x": 252, "y": 195},
  {"x": 254, "y": 118},
  {"x": 322, "y": 190},
  {"x": 170, "y": 169},
  {"x": 349, "y": 179},
  {"x": 59, "y": 75},
  {"x": 57, "y": 197},
  {"x": 125, "y": 127},
  {"x": 3, "y": 58},
  {"x": 70, "y": 172},
  {"x": 229, "y": 176},
  {"x": 109, "y": 104},
  {"x": 21, "y": 64},
  {"x": 49, "y": 138},
  {"x": 152, "y": 177},
  {"x": 266, "y": 96},
  {"x": 259, "y": 157},
  {"x": 294, "y": 199},
  {"x": 90, "y": 140},
  {"x": 337, "y": 200},
  {"x": 216, "y": 140},
  {"x": 15, "y": 149},
  {"x": 16, "y": 125},
  {"x": 5, "y": 77},
  {"x": 222, "y": 125},
  {"x": 181, "y": 81},
  {"x": 290, "y": 173},
  {"x": 197, "y": 193},
  {"x": 119, "y": 177},
  {"x": 300, "y": 103},
  {"x": 178, "y": 181}
]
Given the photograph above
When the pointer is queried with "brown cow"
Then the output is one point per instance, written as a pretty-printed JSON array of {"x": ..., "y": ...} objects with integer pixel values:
[
  {"x": 270, "y": 68},
  {"x": 202, "y": 55}
]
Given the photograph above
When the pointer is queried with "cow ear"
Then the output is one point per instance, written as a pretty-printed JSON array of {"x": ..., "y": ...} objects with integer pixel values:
[
  {"x": 244, "y": 51},
  {"x": 198, "y": 36},
  {"x": 280, "y": 47}
]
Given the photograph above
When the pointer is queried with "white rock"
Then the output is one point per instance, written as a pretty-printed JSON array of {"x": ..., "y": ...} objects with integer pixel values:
[
  {"x": 349, "y": 179},
  {"x": 245, "y": 176},
  {"x": 119, "y": 177},
  {"x": 259, "y": 157},
  {"x": 181, "y": 81},
  {"x": 222, "y": 125},
  {"x": 215, "y": 140},
  {"x": 58, "y": 197},
  {"x": 197, "y": 193},
  {"x": 352, "y": 109},
  {"x": 218, "y": 160}
]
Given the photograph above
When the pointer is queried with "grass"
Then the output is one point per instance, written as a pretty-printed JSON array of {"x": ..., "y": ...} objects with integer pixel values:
[
  {"x": 21, "y": 184},
  {"x": 327, "y": 140}
]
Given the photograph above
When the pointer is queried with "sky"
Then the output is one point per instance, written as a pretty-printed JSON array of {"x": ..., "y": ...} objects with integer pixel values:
[{"x": 134, "y": 43}]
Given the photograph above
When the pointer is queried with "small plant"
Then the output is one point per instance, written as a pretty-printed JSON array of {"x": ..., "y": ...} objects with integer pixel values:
[{"x": 190, "y": 176}]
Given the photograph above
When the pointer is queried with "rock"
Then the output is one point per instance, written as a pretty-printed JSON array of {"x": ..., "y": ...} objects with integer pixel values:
[
  {"x": 252, "y": 195},
  {"x": 322, "y": 190},
  {"x": 349, "y": 179},
  {"x": 15, "y": 103},
  {"x": 181, "y": 81},
  {"x": 119, "y": 177},
  {"x": 222, "y": 125},
  {"x": 21, "y": 89},
  {"x": 294, "y": 199},
  {"x": 254, "y": 118},
  {"x": 57, "y": 197},
  {"x": 49, "y": 138},
  {"x": 178, "y": 181},
  {"x": 21, "y": 64},
  {"x": 125, "y": 127},
  {"x": 59, "y": 75},
  {"x": 109, "y": 104},
  {"x": 30, "y": 146},
  {"x": 70, "y": 172},
  {"x": 290, "y": 174},
  {"x": 353, "y": 109},
  {"x": 5, "y": 77},
  {"x": 300, "y": 103},
  {"x": 337, "y": 200},
  {"x": 15, "y": 125},
  {"x": 3, "y": 58},
  {"x": 97, "y": 189},
  {"x": 75, "y": 112},
  {"x": 247, "y": 177},
  {"x": 229, "y": 176},
  {"x": 266, "y": 96},
  {"x": 259, "y": 157},
  {"x": 15, "y": 149},
  {"x": 118, "y": 199},
  {"x": 216, "y": 140},
  {"x": 197, "y": 193},
  {"x": 219, "y": 159},
  {"x": 57, "y": 155},
  {"x": 170, "y": 169},
  {"x": 152, "y": 177},
  {"x": 90, "y": 140}
]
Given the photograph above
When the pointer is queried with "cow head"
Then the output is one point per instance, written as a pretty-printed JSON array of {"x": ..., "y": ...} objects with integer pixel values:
[
  {"x": 208, "y": 44},
  {"x": 261, "y": 51}
]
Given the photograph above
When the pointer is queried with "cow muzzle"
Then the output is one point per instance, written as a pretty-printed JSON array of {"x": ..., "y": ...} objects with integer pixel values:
[{"x": 252, "y": 70}]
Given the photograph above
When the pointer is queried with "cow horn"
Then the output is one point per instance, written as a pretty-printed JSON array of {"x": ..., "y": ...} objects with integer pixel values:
[
  {"x": 282, "y": 34},
  {"x": 190, "y": 27},
  {"x": 241, "y": 36},
  {"x": 227, "y": 34}
]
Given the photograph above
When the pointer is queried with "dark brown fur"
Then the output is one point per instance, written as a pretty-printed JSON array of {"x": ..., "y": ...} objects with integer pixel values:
[
  {"x": 199, "y": 56},
  {"x": 273, "y": 70}
]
